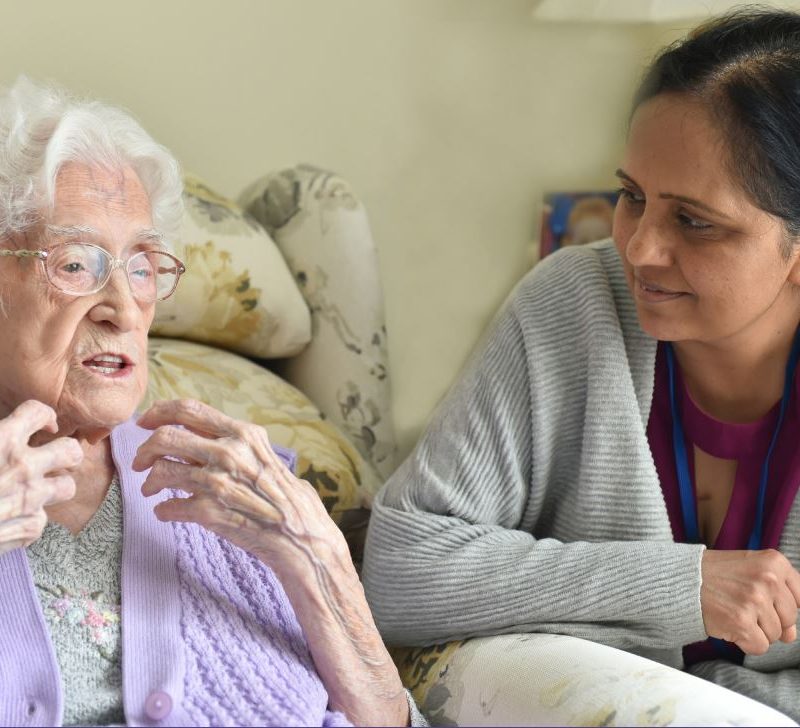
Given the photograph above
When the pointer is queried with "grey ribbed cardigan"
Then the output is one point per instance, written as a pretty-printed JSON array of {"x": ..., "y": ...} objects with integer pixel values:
[{"x": 532, "y": 503}]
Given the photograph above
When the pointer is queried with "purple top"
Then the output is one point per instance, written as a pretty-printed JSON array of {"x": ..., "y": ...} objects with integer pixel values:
[
  {"x": 745, "y": 443},
  {"x": 208, "y": 634}
]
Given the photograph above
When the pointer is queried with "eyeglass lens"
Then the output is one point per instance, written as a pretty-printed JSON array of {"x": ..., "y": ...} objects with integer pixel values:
[{"x": 79, "y": 268}]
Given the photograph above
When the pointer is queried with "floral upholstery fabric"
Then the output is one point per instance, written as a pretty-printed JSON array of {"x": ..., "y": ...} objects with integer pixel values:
[
  {"x": 237, "y": 292},
  {"x": 544, "y": 679},
  {"x": 324, "y": 235},
  {"x": 244, "y": 390}
]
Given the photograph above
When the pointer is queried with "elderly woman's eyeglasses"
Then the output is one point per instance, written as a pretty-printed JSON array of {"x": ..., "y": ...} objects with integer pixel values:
[{"x": 80, "y": 269}]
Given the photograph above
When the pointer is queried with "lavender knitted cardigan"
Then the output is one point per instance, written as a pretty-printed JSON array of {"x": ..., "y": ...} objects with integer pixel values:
[{"x": 208, "y": 634}]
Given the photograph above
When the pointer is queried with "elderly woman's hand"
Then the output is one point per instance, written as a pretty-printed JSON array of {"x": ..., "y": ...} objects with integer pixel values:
[
  {"x": 239, "y": 488},
  {"x": 242, "y": 491},
  {"x": 32, "y": 477}
]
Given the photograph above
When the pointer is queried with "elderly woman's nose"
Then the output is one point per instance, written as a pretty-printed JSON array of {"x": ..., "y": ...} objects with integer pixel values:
[{"x": 117, "y": 304}]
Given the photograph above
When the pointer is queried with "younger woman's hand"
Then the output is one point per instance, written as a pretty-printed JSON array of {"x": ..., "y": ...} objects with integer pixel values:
[{"x": 750, "y": 598}]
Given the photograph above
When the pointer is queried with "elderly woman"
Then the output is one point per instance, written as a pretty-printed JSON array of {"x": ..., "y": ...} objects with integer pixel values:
[
  {"x": 619, "y": 462},
  {"x": 122, "y": 600}
]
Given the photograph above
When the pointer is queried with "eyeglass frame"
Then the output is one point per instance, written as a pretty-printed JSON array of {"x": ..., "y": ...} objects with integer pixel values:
[{"x": 115, "y": 263}]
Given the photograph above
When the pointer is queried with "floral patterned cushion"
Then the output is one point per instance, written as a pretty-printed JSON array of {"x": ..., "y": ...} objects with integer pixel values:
[
  {"x": 322, "y": 229},
  {"x": 237, "y": 292},
  {"x": 244, "y": 390}
]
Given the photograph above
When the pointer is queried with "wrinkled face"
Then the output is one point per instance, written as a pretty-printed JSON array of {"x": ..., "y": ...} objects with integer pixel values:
[
  {"x": 84, "y": 356},
  {"x": 703, "y": 262}
]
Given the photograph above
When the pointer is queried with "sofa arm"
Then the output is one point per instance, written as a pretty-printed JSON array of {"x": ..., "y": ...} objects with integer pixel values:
[
  {"x": 542, "y": 679},
  {"x": 323, "y": 233}
]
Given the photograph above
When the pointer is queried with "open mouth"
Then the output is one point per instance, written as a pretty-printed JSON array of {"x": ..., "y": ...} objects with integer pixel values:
[{"x": 109, "y": 364}]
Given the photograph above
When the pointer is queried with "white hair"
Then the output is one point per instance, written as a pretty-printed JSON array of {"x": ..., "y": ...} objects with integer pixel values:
[{"x": 43, "y": 127}]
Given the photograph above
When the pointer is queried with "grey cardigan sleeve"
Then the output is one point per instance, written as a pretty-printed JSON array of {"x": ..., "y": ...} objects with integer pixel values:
[
  {"x": 779, "y": 689},
  {"x": 458, "y": 541}
]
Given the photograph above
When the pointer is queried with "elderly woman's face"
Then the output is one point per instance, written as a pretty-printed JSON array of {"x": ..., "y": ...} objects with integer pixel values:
[
  {"x": 84, "y": 356},
  {"x": 703, "y": 262}
]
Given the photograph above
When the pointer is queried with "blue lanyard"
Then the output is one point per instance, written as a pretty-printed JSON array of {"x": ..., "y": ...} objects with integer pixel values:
[
  {"x": 724, "y": 649},
  {"x": 688, "y": 506}
]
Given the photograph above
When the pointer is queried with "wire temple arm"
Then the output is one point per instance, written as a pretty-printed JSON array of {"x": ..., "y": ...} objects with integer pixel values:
[{"x": 24, "y": 253}]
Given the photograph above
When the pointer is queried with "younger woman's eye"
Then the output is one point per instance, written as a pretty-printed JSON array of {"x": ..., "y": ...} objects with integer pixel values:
[
  {"x": 630, "y": 196},
  {"x": 692, "y": 223}
]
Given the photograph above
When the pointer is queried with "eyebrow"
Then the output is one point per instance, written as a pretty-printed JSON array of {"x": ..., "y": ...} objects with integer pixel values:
[
  {"x": 147, "y": 234},
  {"x": 71, "y": 230},
  {"x": 681, "y": 198}
]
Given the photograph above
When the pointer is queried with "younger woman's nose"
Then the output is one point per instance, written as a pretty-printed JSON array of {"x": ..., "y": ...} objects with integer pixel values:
[{"x": 649, "y": 246}]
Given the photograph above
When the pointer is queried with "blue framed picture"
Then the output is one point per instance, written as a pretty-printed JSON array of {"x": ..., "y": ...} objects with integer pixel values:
[{"x": 575, "y": 218}]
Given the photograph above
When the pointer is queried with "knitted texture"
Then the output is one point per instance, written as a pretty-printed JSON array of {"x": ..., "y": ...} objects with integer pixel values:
[
  {"x": 208, "y": 634},
  {"x": 232, "y": 596},
  {"x": 77, "y": 579},
  {"x": 532, "y": 503}
]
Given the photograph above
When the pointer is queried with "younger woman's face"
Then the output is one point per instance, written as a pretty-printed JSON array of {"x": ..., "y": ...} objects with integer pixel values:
[{"x": 703, "y": 262}]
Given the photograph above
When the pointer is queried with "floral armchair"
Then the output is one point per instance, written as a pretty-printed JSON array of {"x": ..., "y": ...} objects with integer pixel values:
[{"x": 279, "y": 320}]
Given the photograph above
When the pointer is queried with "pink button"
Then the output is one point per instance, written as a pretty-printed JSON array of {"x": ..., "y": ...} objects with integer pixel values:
[{"x": 158, "y": 705}]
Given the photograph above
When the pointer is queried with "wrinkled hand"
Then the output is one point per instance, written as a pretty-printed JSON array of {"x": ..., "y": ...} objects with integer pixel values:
[
  {"x": 239, "y": 488},
  {"x": 750, "y": 598},
  {"x": 32, "y": 477}
]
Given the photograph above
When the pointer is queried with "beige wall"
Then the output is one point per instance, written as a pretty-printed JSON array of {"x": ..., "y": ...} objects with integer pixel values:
[{"x": 450, "y": 117}]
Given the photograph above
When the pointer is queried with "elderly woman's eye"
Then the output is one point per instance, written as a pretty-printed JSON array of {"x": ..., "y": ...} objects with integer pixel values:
[
  {"x": 143, "y": 270},
  {"x": 73, "y": 267}
]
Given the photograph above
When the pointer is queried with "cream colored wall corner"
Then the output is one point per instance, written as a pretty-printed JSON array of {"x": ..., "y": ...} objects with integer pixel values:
[{"x": 450, "y": 117}]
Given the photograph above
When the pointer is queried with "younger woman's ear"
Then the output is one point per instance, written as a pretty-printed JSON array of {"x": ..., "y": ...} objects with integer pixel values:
[{"x": 794, "y": 257}]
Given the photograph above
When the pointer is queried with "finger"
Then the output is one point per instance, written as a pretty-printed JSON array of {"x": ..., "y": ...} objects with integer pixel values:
[
  {"x": 63, "y": 453},
  {"x": 23, "y": 501},
  {"x": 38, "y": 463},
  {"x": 25, "y": 530},
  {"x": 61, "y": 488},
  {"x": 30, "y": 417},
  {"x": 197, "y": 416},
  {"x": 175, "y": 442},
  {"x": 27, "y": 500},
  {"x": 789, "y": 634},
  {"x": 5, "y": 547},
  {"x": 184, "y": 510},
  {"x": 785, "y": 608},
  {"x": 755, "y": 643},
  {"x": 793, "y": 583},
  {"x": 770, "y": 625},
  {"x": 169, "y": 474},
  {"x": 202, "y": 510}
]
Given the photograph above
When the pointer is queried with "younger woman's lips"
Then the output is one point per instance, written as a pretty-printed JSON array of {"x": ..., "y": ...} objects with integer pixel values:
[{"x": 653, "y": 293}]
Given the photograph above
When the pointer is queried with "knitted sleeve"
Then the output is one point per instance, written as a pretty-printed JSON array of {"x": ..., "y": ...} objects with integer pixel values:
[
  {"x": 779, "y": 690},
  {"x": 458, "y": 544}
]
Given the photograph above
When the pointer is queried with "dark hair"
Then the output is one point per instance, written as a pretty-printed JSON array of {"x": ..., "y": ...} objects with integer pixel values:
[{"x": 745, "y": 66}]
